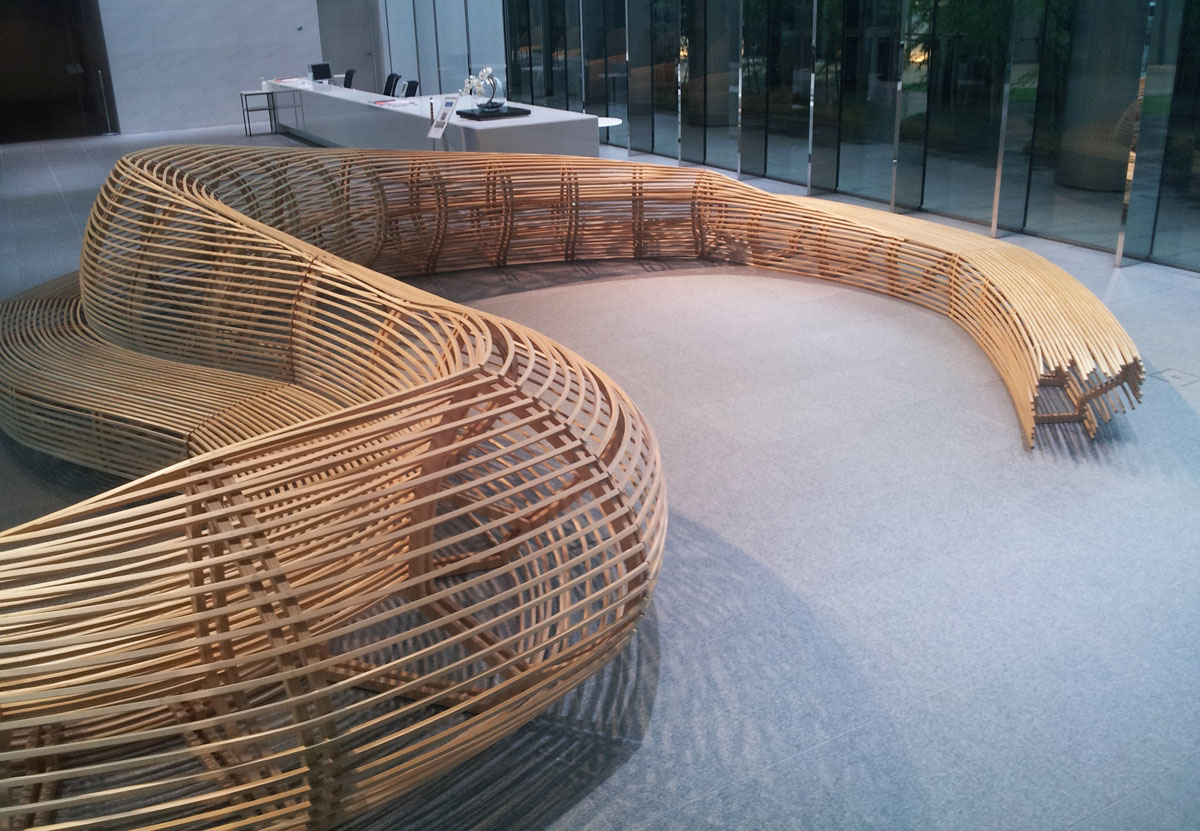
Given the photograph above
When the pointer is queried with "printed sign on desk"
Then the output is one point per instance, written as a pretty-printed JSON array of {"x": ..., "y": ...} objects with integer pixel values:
[
  {"x": 395, "y": 103},
  {"x": 442, "y": 117}
]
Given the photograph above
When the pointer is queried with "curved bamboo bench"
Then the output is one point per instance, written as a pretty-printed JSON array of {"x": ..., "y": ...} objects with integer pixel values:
[{"x": 397, "y": 528}]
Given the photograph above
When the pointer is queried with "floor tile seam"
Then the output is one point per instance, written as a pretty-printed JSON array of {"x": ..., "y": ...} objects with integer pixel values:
[
  {"x": 648, "y": 821},
  {"x": 982, "y": 676},
  {"x": 879, "y": 643},
  {"x": 799, "y": 756},
  {"x": 973, "y": 677},
  {"x": 1084, "y": 536},
  {"x": 860, "y": 587},
  {"x": 1079, "y": 821}
]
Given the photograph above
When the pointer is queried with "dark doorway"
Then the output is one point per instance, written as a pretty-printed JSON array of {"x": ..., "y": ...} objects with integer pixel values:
[{"x": 53, "y": 70}]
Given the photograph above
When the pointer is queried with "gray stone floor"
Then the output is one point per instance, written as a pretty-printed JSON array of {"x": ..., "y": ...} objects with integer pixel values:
[{"x": 877, "y": 610}]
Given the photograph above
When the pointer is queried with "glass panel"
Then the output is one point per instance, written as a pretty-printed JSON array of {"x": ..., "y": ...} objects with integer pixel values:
[
  {"x": 537, "y": 56},
  {"x": 868, "y": 106},
  {"x": 641, "y": 82},
  {"x": 573, "y": 55},
  {"x": 554, "y": 50},
  {"x": 757, "y": 22},
  {"x": 520, "y": 70},
  {"x": 451, "y": 47},
  {"x": 402, "y": 39},
  {"x": 788, "y": 76},
  {"x": 664, "y": 57},
  {"x": 692, "y": 57},
  {"x": 485, "y": 23},
  {"x": 1161, "y": 57},
  {"x": 427, "y": 57},
  {"x": 1087, "y": 103},
  {"x": 595, "y": 58},
  {"x": 618, "y": 77},
  {"x": 826, "y": 148},
  {"x": 968, "y": 55},
  {"x": 1175, "y": 237},
  {"x": 603, "y": 64},
  {"x": 913, "y": 112},
  {"x": 723, "y": 46},
  {"x": 1022, "y": 107}
]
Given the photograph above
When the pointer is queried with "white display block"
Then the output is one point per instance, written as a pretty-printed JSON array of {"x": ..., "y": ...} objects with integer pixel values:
[{"x": 337, "y": 117}]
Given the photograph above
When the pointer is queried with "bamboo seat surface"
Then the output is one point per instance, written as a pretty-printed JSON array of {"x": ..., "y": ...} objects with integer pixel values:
[
  {"x": 400, "y": 527},
  {"x": 121, "y": 410}
]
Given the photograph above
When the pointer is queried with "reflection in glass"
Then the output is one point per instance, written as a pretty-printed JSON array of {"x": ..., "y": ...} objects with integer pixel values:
[
  {"x": 641, "y": 81},
  {"x": 788, "y": 49},
  {"x": 709, "y": 113},
  {"x": 827, "y": 90},
  {"x": 401, "y": 39},
  {"x": 451, "y": 24},
  {"x": 727, "y": 83},
  {"x": 664, "y": 58},
  {"x": 485, "y": 37},
  {"x": 618, "y": 72},
  {"x": 554, "y": 53},
  {"x": 723, "y": 45},
  {"x": 425, "y": 16},
  {"x": 757, "y": 25},
  {"x": 516, "y": 41},
  {"x": 869, "y": 65},
  {"x": 912, "y": 114},
  {"x": 1022, "y": 103},
  {"x": 1164, "y": 25},
  {"x": 1176, "y": 240},
  {"x": 1086, "y": 111},
  {"x": 595, "y": 58},
  {"x": 693, "y": 75},
  {"x": 573, "y": 55},
  {"x": 968, "y": 55}
]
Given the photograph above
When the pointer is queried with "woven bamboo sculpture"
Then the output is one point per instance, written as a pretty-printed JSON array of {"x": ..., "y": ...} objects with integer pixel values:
[{"x": 377, "y": 531}]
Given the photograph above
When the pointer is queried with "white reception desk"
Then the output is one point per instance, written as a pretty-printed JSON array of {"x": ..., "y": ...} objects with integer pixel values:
[{"x": 333, "y": 116}]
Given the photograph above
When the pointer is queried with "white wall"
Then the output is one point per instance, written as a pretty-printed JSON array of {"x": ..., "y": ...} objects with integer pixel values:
[{"x": 180, "y": 63}]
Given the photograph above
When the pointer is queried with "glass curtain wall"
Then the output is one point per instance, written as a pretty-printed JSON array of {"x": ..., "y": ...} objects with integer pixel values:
[
  {"x": 827, "y": 97},
  {"x": 1175, "y": 239},
  {"x": 438, "y": 44},
  {"x": 641, "y": 76},
  {"x": 664, "y": 58},
  {"x": 967, "y": 69},
  {"x": 756, "y": 68},
  {"x": 1150, "y": 189},
  {"x": 869, "y": 70},
  {"x": 570, "y": 54},
  {"x": 1072, "y": 119},
  {"x": 1087, "y": 105},
  {"x": 777, "y": 84},
  {"x": 710, "y": 60},
  {"x": 653, "y": 68}
]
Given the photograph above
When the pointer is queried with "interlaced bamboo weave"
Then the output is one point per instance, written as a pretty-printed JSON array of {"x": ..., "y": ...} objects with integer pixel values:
[{"x": 377, "y": 531}]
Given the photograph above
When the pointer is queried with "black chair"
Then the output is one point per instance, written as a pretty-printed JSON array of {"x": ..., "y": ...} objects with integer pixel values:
[
  {"x": 348, "y": 83},
  {"x": 410, "y": 89},
  {"x": 389, "y": 86}
]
